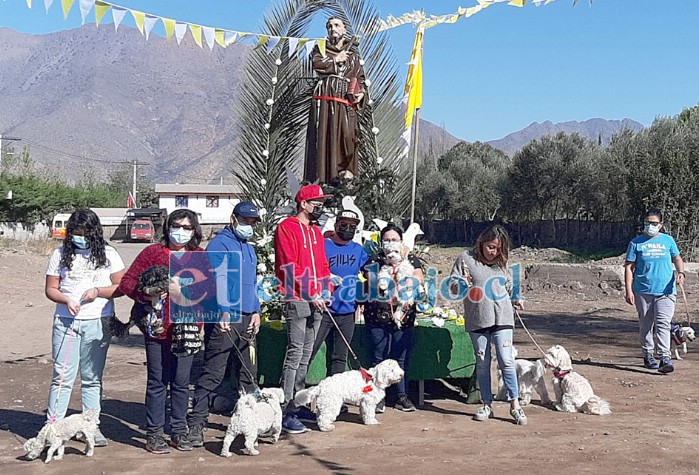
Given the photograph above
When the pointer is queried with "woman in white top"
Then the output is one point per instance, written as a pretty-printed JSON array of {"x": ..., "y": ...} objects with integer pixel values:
[{"x": 82, "y": 277}]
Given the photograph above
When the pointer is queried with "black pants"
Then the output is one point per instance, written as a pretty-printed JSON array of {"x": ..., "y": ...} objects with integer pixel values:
[
  {"x": 166, "y": 368},
  {"x": 335, "y": 347},
  {"x": 219, "y": 348}
]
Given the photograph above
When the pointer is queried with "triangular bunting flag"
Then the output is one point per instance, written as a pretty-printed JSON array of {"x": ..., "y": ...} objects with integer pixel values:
[
  {"x": 221, "y": 38},
  {"x": 209, "y": 35},
  {"x": 272, "y": 43},
  {"x": 118, "y": 14},
  {"x": 149, "y": 23},
  {"x": 29, "y": 4},
  {"x": 47, "y": 4},
  {"x": 309, "y": 47},
  {"x": 67, "y": 5},
  {"x": 139, "y": 18},
  {"x": 262, "y": 40},
  {"x": 180, "y": 30},
  {"x": 85, "y": 7},
  {"x": 230, "y": 37},
  {"x": 196, "y": 34},
  {"x": 100, "y": 10},
  {"x": 293, "y": 44},
  {"x": 242, "y": 35},
  {"x": 169, "y": 27},
  {"x": 517, "y": 3},
  {"x": 302, "y": 43},
  {"x": 321, "y": 46}
]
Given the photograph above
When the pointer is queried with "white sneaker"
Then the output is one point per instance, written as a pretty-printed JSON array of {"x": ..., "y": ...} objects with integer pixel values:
[
  {"x": 484, "y": 413},
  {"x": 520, "y": 416}
]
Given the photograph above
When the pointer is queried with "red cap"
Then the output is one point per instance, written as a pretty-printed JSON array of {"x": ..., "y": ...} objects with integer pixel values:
[{"x": 310, "y": 193}]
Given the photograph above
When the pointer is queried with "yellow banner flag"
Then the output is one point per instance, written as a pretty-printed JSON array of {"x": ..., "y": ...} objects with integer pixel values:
[
  {"x": 139, "y": 18},
  {"x": 101, "y": 9},
  {"x": 67, "y": 5},
  {"x": 412, "y": 96},
  {"x": 169, "y": 27},
  {"x": 221, "y": 38},
  {"x": 517, "y": 3},
  {"x": 262, "y": 40},
  {"x": 321, "y": 46},
  {"x": 196, "y": 34}
]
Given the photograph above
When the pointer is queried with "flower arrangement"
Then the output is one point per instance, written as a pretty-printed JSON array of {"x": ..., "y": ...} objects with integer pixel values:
[
  {"x": 440, "y": 315},
  {"x": 264, "y": 248}
]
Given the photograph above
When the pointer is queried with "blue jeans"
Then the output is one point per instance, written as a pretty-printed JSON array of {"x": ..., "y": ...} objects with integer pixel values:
[
  {"x": 388, "y": 342},
  {"x": 165, "y": 368},
  {"x": 83, "y": 344},
  {"x": 502, "y": 338}
]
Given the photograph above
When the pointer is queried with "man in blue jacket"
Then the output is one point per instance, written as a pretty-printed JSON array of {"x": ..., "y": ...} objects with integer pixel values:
[{"x": 235, "y": 264}]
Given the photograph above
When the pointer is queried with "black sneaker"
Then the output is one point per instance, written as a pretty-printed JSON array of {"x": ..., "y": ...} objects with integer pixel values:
[
  {"x": 196, "y": 435},
  {"x": 381, "y": 407},
  {"x": 344, "y": 409},
  {"x": 666, "y": 366},
  {"x": 156, "y": 445},
  {"x": 405, "y": 404},
  {"x": 181, "y": 442}
]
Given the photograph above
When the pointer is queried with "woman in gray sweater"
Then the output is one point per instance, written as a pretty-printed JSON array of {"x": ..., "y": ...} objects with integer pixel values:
[{"x": 489, "y": 315}]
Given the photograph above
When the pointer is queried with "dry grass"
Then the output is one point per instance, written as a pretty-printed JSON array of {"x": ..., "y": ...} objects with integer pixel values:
[{"x": 38, "y": 247}]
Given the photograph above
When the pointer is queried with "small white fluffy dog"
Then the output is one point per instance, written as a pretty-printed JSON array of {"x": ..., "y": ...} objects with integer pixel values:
[
  {"x": 679, "y": 336},
  {"x": 398, "y": 268},
  {"x": 573, "y": 392},
  {"x": 350, "y": 387},
  {"x": 255, "y": 416},
  {"x": 55, "y": 435},
  {"x": 530, "y": 376}
]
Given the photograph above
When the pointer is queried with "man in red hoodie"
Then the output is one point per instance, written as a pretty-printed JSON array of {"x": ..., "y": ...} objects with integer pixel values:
[{"x": 302, "y": 268}]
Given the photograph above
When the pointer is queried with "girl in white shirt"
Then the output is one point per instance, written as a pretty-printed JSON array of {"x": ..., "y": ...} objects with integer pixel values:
[{"x": 82, "y": 277}]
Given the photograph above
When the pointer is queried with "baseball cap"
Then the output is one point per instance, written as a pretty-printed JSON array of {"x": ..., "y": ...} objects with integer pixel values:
[
  {"x": 349, "y": 215},
  {"x": 310, "y": 193},
  {"x": 246, "y": 210}
]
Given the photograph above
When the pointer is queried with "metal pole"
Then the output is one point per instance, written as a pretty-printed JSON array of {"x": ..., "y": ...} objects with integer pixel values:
[
  {"x": 416, "y": 141},
  {"x": 135, "y": 164}
]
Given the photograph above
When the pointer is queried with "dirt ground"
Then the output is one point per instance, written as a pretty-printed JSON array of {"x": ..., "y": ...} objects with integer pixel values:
[{"x": 653, "y": 427}]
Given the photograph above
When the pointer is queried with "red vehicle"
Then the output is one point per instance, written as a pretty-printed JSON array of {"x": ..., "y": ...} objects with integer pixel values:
[{"x": 143, "y": 230}]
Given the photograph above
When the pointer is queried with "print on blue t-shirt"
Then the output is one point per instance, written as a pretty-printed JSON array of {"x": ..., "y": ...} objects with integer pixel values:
[
  {"x": 654, "y": 273},
  {"x": 345, "y": 261}
]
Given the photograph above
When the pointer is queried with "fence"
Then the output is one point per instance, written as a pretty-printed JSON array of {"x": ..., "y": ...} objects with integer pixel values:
[{"x": 562, "y": 233}]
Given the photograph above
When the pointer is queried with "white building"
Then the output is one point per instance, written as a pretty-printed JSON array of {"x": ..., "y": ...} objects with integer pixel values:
[{"x": 212, "y": 203}]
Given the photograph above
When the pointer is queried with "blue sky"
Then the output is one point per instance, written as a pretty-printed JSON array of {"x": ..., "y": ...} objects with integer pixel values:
[{"x": 503, "y": 68}]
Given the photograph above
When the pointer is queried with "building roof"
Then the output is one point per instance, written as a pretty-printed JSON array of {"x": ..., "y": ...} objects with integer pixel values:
[{"x": 195, "y": 189}]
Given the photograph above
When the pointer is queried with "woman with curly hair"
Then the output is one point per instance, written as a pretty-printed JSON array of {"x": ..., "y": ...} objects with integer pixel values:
[
  {"x": 181, "y": 233},
  {"x": 82, "y": 278}
]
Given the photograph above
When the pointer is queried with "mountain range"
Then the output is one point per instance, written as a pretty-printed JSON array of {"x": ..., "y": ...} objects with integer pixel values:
[{"x": 90, "y": 99}]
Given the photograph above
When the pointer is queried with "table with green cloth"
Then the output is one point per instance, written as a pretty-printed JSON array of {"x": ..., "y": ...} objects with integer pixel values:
[{"x": 438, "y": 352}]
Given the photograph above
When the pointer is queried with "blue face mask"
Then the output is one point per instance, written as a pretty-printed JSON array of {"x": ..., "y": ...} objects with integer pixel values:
[
  {"x": 180, "y": 236},
  {"x": 80, "y": 242},
  {"x": 244, "y": 231}
]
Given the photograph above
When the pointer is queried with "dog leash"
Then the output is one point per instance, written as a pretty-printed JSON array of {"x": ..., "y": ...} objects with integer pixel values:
[
  {"x": 240, "y": 355},
  {"x": 52, "y": 419},
  {"x": 686, "y": 306},
  {"x": 365, "y": 374},
  {"x": 530, "y": 335}
]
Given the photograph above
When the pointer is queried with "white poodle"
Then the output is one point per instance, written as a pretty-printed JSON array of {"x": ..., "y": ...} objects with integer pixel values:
[
  {"x": 573, "y": 392},
  {"x": 350, "y": 387},
  {"x": 530, "y": 376},
  {"x": 255, "y": 415},
  {"x": 396, "y": 269},
  {"x": 54, "y": 435}
]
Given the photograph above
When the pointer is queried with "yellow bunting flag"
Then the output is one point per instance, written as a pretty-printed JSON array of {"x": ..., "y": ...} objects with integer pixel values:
[
  {"x": 517, "y": 3},
  {"x": 67, "y": 5},
  {"x": 321, "y": 46},
  {"x": 196, "y": 34},
  {"x": 220, "y": 36},
  {"x": 139, "y": 18},
  {"x": 412, "y": 96},
  {"x": 262, "y": 40},
  {"x": 169, "y": 27},
  {"x": 101, "y": 9}
]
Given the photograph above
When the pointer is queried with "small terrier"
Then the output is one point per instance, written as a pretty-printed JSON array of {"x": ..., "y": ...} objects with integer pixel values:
[
  {"x": 54, "y": 435},
  {"x": 256, "y": 415},
  {"x": 679, "y": 336},
  {"x": 397, "y": 269}
]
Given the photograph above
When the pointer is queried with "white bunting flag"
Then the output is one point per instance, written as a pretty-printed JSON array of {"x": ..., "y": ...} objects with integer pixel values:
[
  {"x": 230, "y": 37},
  {"x": 272, "y": 43},
  {"x": 209, "y": 35},
  {"x": 47, "y": 4},
  {"x": 85, "y": 7},
  {"x": 180, "y": 30},
  {"x": 118, "y": 15},
  {"x": 293, "y": 44},
  {"x": 309, "y": 47},
  {"x": 148, "y": 24}
]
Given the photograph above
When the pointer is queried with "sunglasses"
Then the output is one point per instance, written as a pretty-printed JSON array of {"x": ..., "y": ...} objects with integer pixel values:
[
  {"x": 186, "y": 227},
  {"x": 652, "y": 223}
]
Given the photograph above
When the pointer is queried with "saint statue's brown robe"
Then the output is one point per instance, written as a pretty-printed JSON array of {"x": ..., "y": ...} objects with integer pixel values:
[{"x": 333, "y": 129}]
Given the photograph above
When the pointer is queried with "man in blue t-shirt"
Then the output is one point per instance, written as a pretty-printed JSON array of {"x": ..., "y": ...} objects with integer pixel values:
[
  {"x": 346, "y": 258},
  {"x": 650, "y": 286}
]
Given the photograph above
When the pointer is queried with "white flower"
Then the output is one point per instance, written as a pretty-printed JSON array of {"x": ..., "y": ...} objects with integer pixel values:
[
  {"x": 270, "y": 102},
  {"x": 278, "y": 62},
  {"x": 263, "y": 182},
  {"x": 374, "y": 130},
  {"x": 438, "y": 322},
  {"x": 379, "y": 160},
  {"x": 265, "y": 153},
  {"x": 271, "y": 258},
  {"x": 437, "y": 310},
  {"x": 361, "y": 62},
  {"x": 371, "y": 102},
  {"x": 261, "y": 267},
  {"x": 274, "y": 80},
  {"x": 367, "y": 82},
  {"x": 266, "y": 239},
  {"x": 267, "y": 126}
]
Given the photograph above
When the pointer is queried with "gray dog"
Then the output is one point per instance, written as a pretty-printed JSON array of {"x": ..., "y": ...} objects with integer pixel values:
[{"x": 54, "y": 436}]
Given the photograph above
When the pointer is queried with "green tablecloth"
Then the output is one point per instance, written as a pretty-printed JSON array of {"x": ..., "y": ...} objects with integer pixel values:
[{"x": 444, "y": 352}]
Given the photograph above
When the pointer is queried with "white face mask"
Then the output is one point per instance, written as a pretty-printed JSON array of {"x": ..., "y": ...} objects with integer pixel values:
[
  {"x": 651, "y": 229},
  {"x": 180, "y": 236}
]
